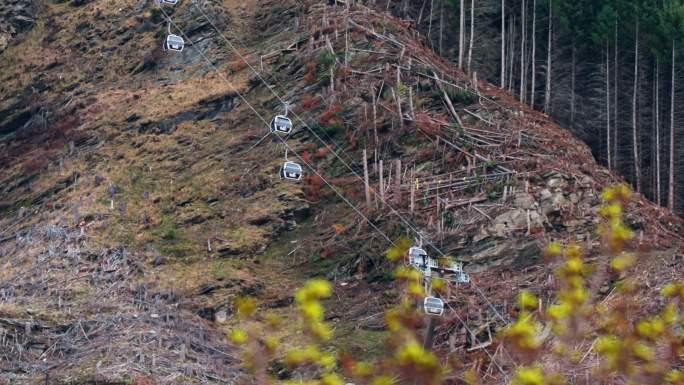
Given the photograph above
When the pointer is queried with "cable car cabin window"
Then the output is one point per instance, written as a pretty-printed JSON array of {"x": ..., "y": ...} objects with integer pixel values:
[
  {"x": 291, "y": 171},
  {"x": 433, "y": 306},
  {"x": 281, "y": 125},
  {"x": 174, "y": 43}
]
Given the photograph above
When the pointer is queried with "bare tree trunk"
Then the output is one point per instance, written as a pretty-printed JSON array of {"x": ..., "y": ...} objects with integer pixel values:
[
  {"x": 366, "y": 183},
  {"x": 420, "y": 15},
  {"x": 503, "y": 43},
  {"x": 461, "y": 35},
  {"x": 608, "y": 105},
  {"x": 635, "y": 135},
  {"x": 511, "y": 52},
  {"x": 671, "y": 181},
  {"x": 472, "y": 33},
  {"x": 572, "y": 91},
  {"x": 441, "y": 24},
  {"x": 522, "y": 50},
  {"x": 657, "y": 131},
  {"x": 397, "y": 182},
  {"x": 534, "y": 50},
  {"x": 547, "y": 96},
  {"x": 615, "y": 102},
  {"x": 432, "y": 9}
]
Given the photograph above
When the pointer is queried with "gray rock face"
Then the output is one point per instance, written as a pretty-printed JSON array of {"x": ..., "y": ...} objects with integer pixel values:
[{"x": 16, "y": 18}]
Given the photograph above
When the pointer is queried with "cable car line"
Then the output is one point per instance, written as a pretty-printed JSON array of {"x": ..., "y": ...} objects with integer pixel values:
[
  {"x": 392, "y": 209},
  {"x": 260, "y": 77},
  {"x": 251, "y": 107},
  {"x": 266, "y": 124},
  {"x": 491, "y": 357}
]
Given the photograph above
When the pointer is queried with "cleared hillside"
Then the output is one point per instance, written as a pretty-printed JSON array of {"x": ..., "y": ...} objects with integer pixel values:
[{"x": 135, "y": 206}]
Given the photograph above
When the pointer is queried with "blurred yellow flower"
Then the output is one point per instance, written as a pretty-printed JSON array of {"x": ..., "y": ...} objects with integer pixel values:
[
  {"x": 327, "y": 361},
  {"x": 238, "y": 336},
  {"x": 412, "y": 353},
  {"x": 527, "y": 300},
  {"x": 245, "y": 306},
  {"x": 622, "y": 262},
  {"x": 321, "y": 331},
  {"x": 554, "y": 249},
  {"x": 331, "y": 379},
  {"x": 399, "y": 250},
  {"x": 382, "y": 380},
  {"x": 362, "y": 369},
  {"x": 610, "y": 211},
  {"x": 529, "y": 376}
]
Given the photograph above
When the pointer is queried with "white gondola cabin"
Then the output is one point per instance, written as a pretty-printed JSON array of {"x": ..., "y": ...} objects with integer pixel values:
[
  {"x": 417, "y": 256},
  {"x": 433, "y": 306},
  {"x": 172, "y": 2},
  {"x": 463, "y": 278},
  {"x": 174, "y": 43},
  {"x": 291, "y": 171},
  {"x": 281, "y": 124}
]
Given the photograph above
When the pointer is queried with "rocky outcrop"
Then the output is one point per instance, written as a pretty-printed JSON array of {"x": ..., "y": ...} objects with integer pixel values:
[{"x": 16, "y": 18}]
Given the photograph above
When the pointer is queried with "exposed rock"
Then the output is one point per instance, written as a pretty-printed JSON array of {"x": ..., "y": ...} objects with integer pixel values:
[
  {"x": 195, "y": 219},
  {"x": 282, "y": 302},
  {"x": 523, "y": 200},
  {"x": 228, "y": 250},
  {"x": 553, "y": 202},
  {"x": 221, "y": 316},
  {"x": 16, "y": 18},
  {"x": 78, "y": 3},
  {"x": 518, "y": 253},
  {"x": 516, "y": 219},
  {"x": 260, "y": 220}
]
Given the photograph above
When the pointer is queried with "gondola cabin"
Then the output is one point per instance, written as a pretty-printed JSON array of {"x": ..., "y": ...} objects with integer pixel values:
[
  {"x": 172, "y": 2},
  {"x": 174, "y": 43},
  {"x": 433, "y": 306},
  {"x": 417, "y": 256},
  {"x": 281, "y": 125},
  {"x": 463, "y": 278},
  {"x": 456, "y": 267},
  {"x": 291, "y": 171}
]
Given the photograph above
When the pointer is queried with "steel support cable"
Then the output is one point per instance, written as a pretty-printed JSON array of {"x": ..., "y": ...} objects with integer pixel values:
[
  {"x": 491, "y": 357},
  {"x": 261, "y": 78},
  {"x": 392, "y": 209},
  {"x": 389, "y": 240},
  {"x": 225, "y": 79}
]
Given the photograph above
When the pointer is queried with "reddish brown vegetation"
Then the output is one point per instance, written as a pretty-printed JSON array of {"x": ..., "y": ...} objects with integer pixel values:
[
  {"x": 65, "y": 126},
  {"x": 331, "y": 115},
  {"x": 425, "y": 123},
  {"x": 322, "y": 152},
  {"x": 34, "y": 165},
  {"x": 237, "y": 65},
  {"x": 310, "y": 75},
  {"x": 312, "y": 187},
  {"x": 306, "y": 156},
  {"x": 343, "y": 72},
  {"x": 310, "y": 102}
]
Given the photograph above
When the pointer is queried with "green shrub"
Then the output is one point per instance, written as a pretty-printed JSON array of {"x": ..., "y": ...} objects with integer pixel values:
[{"x": 170, "y": 235}]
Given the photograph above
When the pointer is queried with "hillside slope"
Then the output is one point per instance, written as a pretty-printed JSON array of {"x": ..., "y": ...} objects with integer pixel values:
[{"x": 139, "y": 196}]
